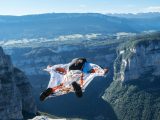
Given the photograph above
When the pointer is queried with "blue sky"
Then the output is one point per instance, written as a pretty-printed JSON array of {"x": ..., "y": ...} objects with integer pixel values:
[{"x": 24, "y": 7}]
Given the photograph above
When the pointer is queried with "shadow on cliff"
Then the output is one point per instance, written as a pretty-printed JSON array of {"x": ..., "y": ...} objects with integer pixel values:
[{"x": 90, "y": 106}]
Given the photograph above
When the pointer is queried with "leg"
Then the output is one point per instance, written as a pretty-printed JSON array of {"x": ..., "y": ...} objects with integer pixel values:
[
  {"x": 48, "y": 92},
  {"x": 45, "y": 94},
  {"x": 77, "y": 89}
]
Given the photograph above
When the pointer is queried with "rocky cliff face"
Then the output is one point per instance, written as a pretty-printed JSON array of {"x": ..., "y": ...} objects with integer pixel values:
[
  {"x": 15, "y": 91},
  {"x": 134, "y": 93},
  {"x": 136, "y": 58}
]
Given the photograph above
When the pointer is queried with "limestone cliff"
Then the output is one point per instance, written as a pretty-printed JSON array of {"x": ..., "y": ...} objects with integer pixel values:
[
  {"x": 134, "y": 93},
  {"x": 137, "y": 57},
  {"x": 15, "y": 91}
]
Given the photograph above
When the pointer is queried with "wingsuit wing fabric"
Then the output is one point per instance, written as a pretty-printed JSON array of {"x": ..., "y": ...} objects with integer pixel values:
[
  {"x": 73, "y": 75},
  {"x": 55, "y": 77}
]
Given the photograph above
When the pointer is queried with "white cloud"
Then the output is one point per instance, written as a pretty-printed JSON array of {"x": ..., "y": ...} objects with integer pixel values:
[{"x": 152, "y": 9}]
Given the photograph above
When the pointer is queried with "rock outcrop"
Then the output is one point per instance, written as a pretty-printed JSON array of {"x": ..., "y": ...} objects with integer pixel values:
[
  {"x": 136, "y": 58},
  {"x": 15, "y": 91},
  {"x": 134, "y": 93}
]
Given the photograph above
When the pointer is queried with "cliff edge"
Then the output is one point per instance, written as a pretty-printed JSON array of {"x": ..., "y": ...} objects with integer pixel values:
[{"x": 16, "y": 97}]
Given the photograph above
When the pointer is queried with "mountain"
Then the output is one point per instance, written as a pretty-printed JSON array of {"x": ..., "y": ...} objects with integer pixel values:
[
  {"x": 141, "y": 21},
  {"x": 134, "y": 93},
  {"x": 56, "y": 24},
  {"x": 16, "y": 98},
  {"x": 138, "y": 15}
]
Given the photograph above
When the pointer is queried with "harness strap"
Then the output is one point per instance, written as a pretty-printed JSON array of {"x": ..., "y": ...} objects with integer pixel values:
[
  {"x": 81, "y": 79},
  {"x": 57, "y": 87}
]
